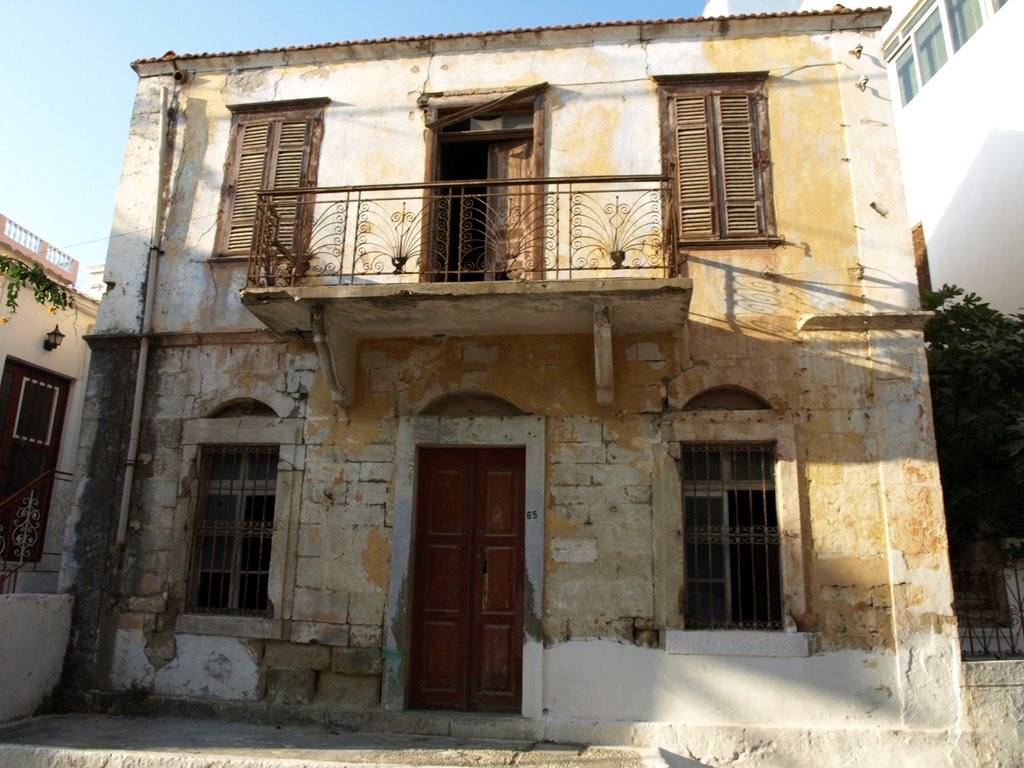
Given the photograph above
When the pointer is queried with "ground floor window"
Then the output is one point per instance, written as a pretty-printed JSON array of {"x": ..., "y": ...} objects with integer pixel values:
[
  {"x": 731, "y": 539},
  {"x": 233, "y": 531}
]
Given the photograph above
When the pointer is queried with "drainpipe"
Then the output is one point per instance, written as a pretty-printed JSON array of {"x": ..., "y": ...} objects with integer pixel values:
[{"x": 152, "y": 263}]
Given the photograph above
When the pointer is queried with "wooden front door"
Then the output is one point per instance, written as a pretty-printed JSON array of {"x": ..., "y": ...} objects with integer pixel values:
[
  {"x": 467, "y": 627},
  {"x": 32, "y": 404}
]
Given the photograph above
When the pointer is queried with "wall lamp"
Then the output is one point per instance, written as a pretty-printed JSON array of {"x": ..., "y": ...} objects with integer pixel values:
[{"x": 53, "y": 339}]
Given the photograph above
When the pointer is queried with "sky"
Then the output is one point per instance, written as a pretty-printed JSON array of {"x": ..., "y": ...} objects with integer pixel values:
[{"x": 67, "y": 87}]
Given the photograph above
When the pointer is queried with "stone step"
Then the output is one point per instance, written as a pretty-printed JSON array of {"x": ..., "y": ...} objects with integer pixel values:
[{"x": 103, "y": 741}]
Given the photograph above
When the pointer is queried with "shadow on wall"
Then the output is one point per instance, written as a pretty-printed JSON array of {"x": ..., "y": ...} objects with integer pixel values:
[
  {"x": 976, "y": 242},
  {"x": 672, "y": 760}
]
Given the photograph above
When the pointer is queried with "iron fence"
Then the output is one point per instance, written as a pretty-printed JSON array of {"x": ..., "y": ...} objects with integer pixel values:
[
  {"x": 507, "y": 229},
  {"x": 989, "y": 602}
]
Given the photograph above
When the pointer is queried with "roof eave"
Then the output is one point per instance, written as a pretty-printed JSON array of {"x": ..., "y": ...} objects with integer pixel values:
[{"x": 799, "y": 22}]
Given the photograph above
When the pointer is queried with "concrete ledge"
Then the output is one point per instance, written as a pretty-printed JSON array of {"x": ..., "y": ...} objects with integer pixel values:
[
  {"x": 739, "y": 643},
  {"x": 996, "y": 673}
]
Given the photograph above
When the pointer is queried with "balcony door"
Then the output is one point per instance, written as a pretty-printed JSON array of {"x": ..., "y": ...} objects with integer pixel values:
[{"x": 480, "y": 228}]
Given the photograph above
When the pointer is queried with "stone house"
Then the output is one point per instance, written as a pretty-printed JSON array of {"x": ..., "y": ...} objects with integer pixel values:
[{"x": 571, "y": 375}]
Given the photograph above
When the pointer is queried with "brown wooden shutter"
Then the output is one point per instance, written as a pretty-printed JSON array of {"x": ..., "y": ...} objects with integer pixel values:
[
  {"x": 291, "y": 162},
  {"x": 737, "y": 140},
  {"x": 695, "y": 174},
  {"x": 250, "y": 162},
  {"x": 273, "y": 149},
  {"x": 716, "y": 144}
]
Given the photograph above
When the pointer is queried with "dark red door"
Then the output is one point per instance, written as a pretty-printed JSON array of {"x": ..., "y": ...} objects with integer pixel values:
[
  {"x": 467, "y": 630},
  {"x": 32, "y": 404}
]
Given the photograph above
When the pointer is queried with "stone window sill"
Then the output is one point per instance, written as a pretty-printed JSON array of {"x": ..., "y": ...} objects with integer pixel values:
[
  {"x": 779, "y": 645},
  {"x": 229, "y": 626}
]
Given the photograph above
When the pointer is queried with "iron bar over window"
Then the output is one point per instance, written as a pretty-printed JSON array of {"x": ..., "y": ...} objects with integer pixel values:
[
  {"x": 730, "y": 538},
  {"x": 233, "y": 530}
]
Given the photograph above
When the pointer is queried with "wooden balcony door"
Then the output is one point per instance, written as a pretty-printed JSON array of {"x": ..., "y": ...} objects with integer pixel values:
[{"x": 467, "y": 619}]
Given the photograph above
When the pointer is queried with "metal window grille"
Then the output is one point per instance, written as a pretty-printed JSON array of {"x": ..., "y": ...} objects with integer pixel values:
[
  {"x": 731, "y": 538},
  {"x": 234, "y": 530}
]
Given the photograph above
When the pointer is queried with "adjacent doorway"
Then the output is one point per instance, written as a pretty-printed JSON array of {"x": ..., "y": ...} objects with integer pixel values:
[
  {"x": 466, "y": 650},
  {"x": 32, "y": 405}
]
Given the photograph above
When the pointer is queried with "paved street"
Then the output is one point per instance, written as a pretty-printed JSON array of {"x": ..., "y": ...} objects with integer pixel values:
[{"x": 94, "y": 741}]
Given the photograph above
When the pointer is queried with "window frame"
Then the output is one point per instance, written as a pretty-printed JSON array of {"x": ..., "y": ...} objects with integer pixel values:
[
  {"x": 905, "y": 40},
  {"x": 724, "y": 487},
  {"x": 275, "y": 114},
  {"x": 243, "y": 488},
  {"x": 725, "y": 426},
  {"x": 286, "y": 434},
  {"x": 713, "y": 88}
]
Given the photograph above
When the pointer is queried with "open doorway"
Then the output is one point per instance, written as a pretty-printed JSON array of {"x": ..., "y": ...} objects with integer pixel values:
[{"x": 481, "y": 228}]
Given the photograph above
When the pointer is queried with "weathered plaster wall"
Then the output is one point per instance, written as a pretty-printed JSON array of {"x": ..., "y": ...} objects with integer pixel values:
[{"x": 32, "y": 646}]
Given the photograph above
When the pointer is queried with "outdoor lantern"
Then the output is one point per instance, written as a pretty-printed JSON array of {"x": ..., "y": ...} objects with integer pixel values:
[{"x": 53, "y": 339}]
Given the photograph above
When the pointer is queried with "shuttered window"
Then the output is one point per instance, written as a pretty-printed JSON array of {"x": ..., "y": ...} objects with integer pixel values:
[
  {"x": 273, "y": 146},
  {"x": 717, "y": 154}
]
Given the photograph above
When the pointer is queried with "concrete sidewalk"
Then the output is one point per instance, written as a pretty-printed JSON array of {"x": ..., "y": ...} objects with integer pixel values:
[{"x": 97, "y": 741}]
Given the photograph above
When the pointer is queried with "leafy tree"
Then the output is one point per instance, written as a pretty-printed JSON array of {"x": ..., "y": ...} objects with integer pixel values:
[
  {"x": 16, "y": 274},
  {"x": 976, "y": 364}
]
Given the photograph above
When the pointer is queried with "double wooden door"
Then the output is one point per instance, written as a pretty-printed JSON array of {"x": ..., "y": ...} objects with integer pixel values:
[{"x": 467, "y": 628}]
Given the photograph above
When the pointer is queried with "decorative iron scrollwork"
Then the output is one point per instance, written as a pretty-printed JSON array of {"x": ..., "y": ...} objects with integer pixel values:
[{"x": 500, "y": 229}]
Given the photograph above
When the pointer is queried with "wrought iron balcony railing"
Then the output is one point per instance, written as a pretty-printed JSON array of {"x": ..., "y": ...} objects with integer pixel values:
[{"x": 507, "y": 229}]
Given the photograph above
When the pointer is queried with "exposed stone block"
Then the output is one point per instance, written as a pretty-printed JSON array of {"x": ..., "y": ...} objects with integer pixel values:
[
  {"x": 295, "y": 656},
  {"x": 366, "y": 608},
  {"x": 158, "y": 492},
  {"x": 582, "y": 453},
  {"x": 293, "y": 457},
  {"x": 324, "y": 634},
  {"x": 348, "y": 692},
  {"x": 291, "y": 686},
  {"x": 147, "y": 603},
  {"x": 161, "y": 646},
  {"x": 595, "y": 496},
  {"x": 375, "y": 471},
  {"x": 366, "y": 636},
  {"x": 564, "y": 550},
  {"x": 364, "y": 514},
  {"x": 374, "y": 452},
  {"x": 320, "y": 605},
  {"x": 356, "y": 661},
  {"x": 368, "y": 493},
  {"x": 619, "y": 475},
  {"x": 573, "y": 474},
  {"x": 645, "y": 351},
  {"x": 578, "y": 429},
  {"x": 640, "y": 494},
  {"x": 309, "y": 572}
]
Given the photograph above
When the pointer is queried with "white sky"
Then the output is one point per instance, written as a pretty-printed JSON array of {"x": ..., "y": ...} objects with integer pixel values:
[{"x": 67, "y": 88}]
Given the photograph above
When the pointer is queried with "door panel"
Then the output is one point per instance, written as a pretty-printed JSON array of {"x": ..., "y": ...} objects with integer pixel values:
[{"x": 468, "y": 575}]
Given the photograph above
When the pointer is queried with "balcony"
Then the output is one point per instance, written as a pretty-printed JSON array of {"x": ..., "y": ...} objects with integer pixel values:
[
  {"x": 26, "y": 245},
  {"x": 549, "y": 255}
]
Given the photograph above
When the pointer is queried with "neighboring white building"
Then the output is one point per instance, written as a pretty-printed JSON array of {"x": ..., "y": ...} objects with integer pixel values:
[
  {"x": 960, "y": 126},
  {"x": 41, "y": 397},
  {"x": 92, "y": 284}
]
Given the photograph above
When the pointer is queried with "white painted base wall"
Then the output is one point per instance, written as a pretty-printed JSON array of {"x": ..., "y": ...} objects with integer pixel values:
[{"x": 34, "y": 631}]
